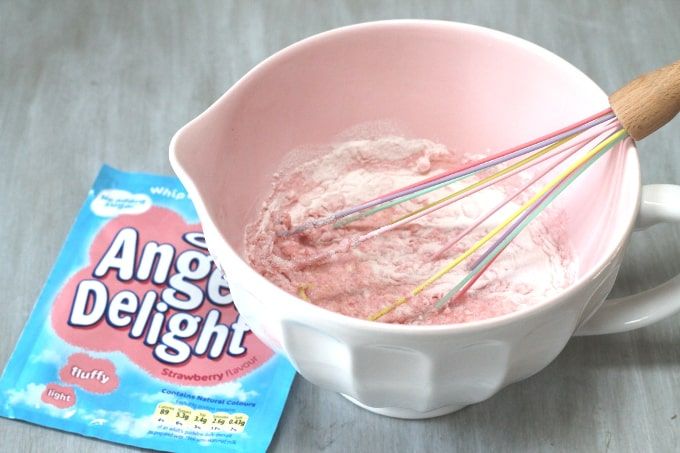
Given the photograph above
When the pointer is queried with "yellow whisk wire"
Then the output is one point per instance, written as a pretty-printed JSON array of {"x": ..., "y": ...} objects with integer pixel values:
[{"x": 455, "y": 262}]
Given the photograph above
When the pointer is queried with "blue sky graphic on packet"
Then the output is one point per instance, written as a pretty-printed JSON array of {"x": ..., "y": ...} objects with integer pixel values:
[{"x": 135, "y": 338}]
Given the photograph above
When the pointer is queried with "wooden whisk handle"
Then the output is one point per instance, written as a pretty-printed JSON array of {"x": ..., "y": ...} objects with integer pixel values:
[{"x": 648, "y": 102}]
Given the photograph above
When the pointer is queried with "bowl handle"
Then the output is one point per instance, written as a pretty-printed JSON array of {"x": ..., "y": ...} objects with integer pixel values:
[{"x": 660, "y": 203}]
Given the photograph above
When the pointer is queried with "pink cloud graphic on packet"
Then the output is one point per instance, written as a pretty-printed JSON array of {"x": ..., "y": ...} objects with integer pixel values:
[
  {"x": 58, "y": 396},
  {"x": 89, "y": 373},
  {"x": 151, "y": 291}
]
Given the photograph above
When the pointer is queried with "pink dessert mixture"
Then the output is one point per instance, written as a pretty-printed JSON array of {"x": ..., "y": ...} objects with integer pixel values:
[{"x": 537, "y": 265}]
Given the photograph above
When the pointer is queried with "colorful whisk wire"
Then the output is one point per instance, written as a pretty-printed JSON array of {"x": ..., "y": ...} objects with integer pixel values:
[
  {"x": 593, "y": 136},
  {"x": 521, "y": 217},
  {"x": 637, "y": 110}
]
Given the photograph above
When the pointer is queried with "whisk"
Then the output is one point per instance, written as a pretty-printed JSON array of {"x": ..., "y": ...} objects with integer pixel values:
[{"x": 636, "y": 110}]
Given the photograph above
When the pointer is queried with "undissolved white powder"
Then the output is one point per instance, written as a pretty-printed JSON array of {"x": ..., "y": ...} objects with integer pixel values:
[{"x": 537, "y": 265}]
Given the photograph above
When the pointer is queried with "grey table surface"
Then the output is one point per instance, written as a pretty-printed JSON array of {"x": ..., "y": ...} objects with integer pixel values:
[{"x": 85, "y": 83}]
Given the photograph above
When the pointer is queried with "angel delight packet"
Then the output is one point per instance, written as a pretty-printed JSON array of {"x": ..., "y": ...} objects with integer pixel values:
[{"x": 135, "y": 338}]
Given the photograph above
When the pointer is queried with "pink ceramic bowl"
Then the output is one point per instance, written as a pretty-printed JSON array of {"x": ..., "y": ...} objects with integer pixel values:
[{"x": 468, "y": 88}]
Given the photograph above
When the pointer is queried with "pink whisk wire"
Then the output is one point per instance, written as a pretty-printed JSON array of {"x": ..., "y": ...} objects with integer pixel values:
[{"x": 449, "y": 175}]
